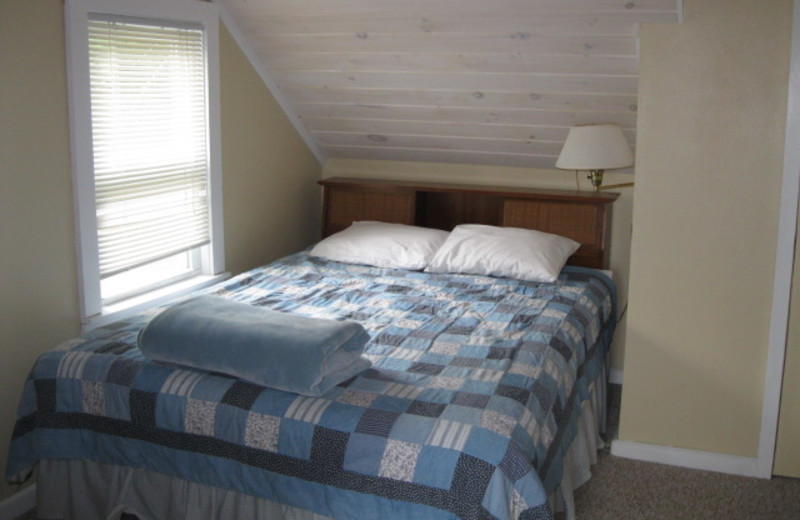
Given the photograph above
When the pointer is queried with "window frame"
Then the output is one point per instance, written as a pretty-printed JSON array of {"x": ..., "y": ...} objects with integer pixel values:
[{"x": 93, "y": 312}]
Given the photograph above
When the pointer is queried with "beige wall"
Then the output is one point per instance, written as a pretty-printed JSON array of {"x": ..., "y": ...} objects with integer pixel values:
[
  {"x": 271, "y": 201},
  {"x": 38, "y": 272},
  {"x": 711, "y": 125},
  {"x": 502, "y": 175}
]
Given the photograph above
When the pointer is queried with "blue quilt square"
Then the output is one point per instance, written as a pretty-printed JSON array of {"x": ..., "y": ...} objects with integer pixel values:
[
  {"x": 413, "y": 428},
  {"x": 212, "y": 388},
  {"x": 47, "y": 365},
  {"x": 501, "y": 317},
  {"x": 435, "y": 467},
  {"x": 436, "y": 395},
  {"x": 390, "y": 363},
  {"x": 456, "y": 371},
  {"x": 494, "y": 500},
  {"x": 230, "y": 423},
  {"x": 462, "y": 414},
  {"x": 524, "y": 441},
  {"x": 473, "y": 351},
  {"x": 98, "y": 369},
  {"x": 487, "y": 445},
  {"x": 503, "y": 405},
  {"x": 511, "y": 344},
  {"x": 273, "y": 403},
  {"x": 452, "y": 338},
  {"x": 117, "y": 401},
  {"x": 170, "y": 412},
  {"x": 68, "y": 395},
  {"x": 151, "y": 378},
  {"x": 390, "y": 403},
  {"x": 416, "y": 343},
  {"x": 474, "y": 386},
  {"x": 295, "y": 438},
  {"x": 341, "y": 416},
  {"x": 435, "y": 359},
  {"x": 364, "y": 453}
]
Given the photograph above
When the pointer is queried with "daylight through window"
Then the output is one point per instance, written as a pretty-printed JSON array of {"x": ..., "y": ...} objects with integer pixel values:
[{"x": 149, "y": 124}]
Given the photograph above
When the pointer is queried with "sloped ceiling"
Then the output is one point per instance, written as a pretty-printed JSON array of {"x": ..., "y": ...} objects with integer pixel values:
[{"x": 464, "y": 81}]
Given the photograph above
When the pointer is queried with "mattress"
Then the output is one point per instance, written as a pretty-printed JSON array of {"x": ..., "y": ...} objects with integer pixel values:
[{"x": 471, "y": 408}]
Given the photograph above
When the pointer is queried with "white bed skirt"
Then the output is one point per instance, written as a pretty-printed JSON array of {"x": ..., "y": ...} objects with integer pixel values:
[{"x": 87, "y": 490}]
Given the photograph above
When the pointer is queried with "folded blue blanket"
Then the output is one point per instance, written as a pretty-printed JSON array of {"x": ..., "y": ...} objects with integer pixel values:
[{"x": 285, "y": 351}]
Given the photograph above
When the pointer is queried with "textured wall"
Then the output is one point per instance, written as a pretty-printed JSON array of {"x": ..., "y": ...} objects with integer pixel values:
[
  {"x": 712, "y": 112},
  {"x": 272, "y": 202}
]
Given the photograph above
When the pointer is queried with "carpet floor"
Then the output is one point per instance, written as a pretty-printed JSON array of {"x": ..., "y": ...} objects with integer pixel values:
[
  {"x": 624, "y": 489},
  {"x": 629, "y": 489}
]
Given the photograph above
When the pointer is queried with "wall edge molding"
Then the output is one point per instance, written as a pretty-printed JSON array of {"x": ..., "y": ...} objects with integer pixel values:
[
  {"x": 686, "y": 458},
  {"x": 784, "y": 262}
]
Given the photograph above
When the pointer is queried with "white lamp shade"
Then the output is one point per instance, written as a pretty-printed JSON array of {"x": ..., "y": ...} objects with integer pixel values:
[{"x": 595, "y": 147}]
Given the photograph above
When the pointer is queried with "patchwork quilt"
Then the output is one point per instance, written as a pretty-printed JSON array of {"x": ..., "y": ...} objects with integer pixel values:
[{"x": 469, "y": 407}]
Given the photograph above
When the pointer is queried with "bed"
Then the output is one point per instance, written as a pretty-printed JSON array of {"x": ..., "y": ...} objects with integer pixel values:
[{"x": 484, "y": 399}]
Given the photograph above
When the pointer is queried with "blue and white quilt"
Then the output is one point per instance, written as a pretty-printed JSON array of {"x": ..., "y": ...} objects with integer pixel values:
[{"x": 467, "y": 411}]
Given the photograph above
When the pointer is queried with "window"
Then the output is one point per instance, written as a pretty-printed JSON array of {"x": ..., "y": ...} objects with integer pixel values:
[{"x": 144, "y": 111}]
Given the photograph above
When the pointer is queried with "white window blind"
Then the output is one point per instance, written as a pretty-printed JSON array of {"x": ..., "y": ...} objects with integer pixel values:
[{"x": 149, "y": 129}]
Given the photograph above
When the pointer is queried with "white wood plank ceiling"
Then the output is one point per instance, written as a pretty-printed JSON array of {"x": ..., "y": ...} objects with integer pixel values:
[{"x": 464, "y": 81}]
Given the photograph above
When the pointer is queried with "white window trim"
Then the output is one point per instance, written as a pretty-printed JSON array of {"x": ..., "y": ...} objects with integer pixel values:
[{"x": 76, "y": 24}]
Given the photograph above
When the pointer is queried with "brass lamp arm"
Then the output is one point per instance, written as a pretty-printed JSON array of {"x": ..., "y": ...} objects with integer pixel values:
[{"x": 596, "y": 176}]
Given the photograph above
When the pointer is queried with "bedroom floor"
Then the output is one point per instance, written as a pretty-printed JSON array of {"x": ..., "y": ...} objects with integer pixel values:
[
  {"x": 623, "y": 489},
  {"x": 629, "y": 489}
]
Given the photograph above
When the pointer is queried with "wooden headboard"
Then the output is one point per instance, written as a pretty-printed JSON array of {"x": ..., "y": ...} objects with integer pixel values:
[{"x": 582, "y": 216}]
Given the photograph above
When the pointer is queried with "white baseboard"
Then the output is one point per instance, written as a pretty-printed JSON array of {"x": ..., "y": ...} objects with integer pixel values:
[
  {"x": 615, "y": 376},
  {"x": 694, "y": 459},
  {"x": 18, "y": 503}
]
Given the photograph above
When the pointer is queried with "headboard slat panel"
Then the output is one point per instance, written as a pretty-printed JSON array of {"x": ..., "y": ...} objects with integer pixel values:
[{"x": 582, "y": 216}]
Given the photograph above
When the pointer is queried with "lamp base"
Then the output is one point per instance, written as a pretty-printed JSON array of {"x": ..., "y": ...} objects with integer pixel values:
[{"x": 596, "y": 176}]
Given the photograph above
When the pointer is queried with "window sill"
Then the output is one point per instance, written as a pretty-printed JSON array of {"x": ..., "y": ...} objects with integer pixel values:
[{"x": 131, "y": 306}]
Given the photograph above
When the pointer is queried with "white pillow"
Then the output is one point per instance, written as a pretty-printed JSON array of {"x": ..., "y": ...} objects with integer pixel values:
[
  {"x": 523, "y": 254},
  {"x": 380, "y": 244}
]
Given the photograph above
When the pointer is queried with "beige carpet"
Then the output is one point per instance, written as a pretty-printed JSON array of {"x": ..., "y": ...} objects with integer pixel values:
[
  {"x": 628, "y": 489},
  {"x": 623, "y": 489}
]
